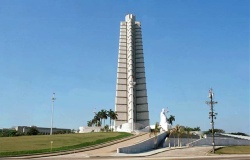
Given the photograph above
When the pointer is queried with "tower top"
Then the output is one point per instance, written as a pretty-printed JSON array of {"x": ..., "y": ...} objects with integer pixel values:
[{"x": 129, "y": 16}]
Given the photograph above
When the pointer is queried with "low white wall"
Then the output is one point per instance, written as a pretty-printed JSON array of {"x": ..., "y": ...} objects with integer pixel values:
[
  {"x": 236, "y": 136},
  {"x": 143, "y": 146},
  {"x": 89, "y": 129},
  {"x": 221, "y": 141}
]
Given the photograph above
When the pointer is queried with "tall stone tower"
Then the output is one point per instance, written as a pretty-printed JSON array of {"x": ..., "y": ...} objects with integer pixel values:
[{"x": 131, "y": 102}]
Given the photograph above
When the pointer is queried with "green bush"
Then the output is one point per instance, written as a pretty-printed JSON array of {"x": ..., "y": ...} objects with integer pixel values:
[
  {"x": 33, "y": 131},
  {"x": 8, "y": 133}
]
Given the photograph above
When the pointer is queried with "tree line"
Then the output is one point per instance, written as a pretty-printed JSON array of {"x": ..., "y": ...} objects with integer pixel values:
[
  {"x": 100, "y": 117},
  {"x": 32, "y": 131}
]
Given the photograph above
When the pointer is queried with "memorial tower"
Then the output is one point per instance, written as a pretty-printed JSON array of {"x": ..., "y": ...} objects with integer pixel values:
[{"x": 131, "y": 102}]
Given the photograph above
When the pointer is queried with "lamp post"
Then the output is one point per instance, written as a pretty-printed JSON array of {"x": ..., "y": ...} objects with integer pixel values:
[
  {"x": 212, "y": 114},
  {"x": 53, "y": 100},
  {"x": 132, "y": 104}
]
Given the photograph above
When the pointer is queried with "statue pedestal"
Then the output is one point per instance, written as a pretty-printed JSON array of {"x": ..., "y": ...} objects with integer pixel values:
[{"x": 165, "y": 127}]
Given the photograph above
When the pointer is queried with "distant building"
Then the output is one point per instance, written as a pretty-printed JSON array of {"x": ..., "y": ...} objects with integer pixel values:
[
  {"x": 89, "y": 129},
  {"x": 42, "y": 130}
]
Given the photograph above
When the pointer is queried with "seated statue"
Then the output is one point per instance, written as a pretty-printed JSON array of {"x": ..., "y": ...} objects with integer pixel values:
[{"x": 163, "y": 121}]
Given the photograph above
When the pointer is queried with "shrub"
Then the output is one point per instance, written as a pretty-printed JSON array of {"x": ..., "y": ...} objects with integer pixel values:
[{"x": 33, "y": 131}]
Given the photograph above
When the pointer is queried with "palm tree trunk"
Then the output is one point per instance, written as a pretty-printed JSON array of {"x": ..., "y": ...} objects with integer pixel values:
[
  {"x": 174, "y": 140},
  {"x": 110, "y": 124},
  {"x": 178, "y": 141},
  {"x": 113, "y": 124},
  {"x": 169, "y": 145}
]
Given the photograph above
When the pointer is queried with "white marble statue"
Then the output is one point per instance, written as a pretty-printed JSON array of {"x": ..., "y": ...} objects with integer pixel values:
[{"x": 163, "y": 121}]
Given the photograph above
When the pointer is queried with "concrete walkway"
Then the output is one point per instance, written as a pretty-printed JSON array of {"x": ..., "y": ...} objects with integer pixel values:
[{"x": 108, "y": 151}]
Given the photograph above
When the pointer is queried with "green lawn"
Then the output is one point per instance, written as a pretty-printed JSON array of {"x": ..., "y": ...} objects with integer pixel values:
[
  {"x": 42, "y": 143},
  {"x": 234, "y": 150}
]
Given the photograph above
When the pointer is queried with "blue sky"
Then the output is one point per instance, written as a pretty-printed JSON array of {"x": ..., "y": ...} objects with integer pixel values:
[{"x": 70, "y": 47}]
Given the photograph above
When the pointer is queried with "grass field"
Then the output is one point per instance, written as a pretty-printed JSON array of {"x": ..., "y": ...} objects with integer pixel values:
[
  {"x": 42, "y": 143},
  {"x": 234, "y": 150}
]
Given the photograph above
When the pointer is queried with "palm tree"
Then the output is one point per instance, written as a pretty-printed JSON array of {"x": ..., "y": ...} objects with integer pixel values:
[
  {"x": 188, "y": 132},
  {"x": 111, "y": 115},
  {"x": 197, "y": 129},
  {"x": 99, "y": 115},
  {"x": 96, "y": 119},
  {"x": 114, "y": 116},
  {"x": 89, "y": 123},
  {"x": 179, "y": 131},
  {"x": 171, "y": 119},
  {"x": 103, "y": 115},
  {"x": 172, "y": 132},
  {"x": 93, "y": 121},
  {"x": 110, "y": 112}
]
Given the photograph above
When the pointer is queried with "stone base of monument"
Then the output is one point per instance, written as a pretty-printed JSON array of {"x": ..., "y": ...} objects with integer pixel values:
[
  {"x": 127, "y": 127},
  {"x": 165, "y": 127},
  {"x": 146, "y": 145}
]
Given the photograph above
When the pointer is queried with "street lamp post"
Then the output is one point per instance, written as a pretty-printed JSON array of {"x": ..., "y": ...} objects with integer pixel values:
[
  {"x": 212, "y": 114},
  {"x": 53, "y": 100},
  {"x": 132, "y": 104}
]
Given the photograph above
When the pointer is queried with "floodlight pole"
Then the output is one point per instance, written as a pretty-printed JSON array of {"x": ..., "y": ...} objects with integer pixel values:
[
  {"x": 212, "y": 114},
  {"x": 52, "y": 114}
]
